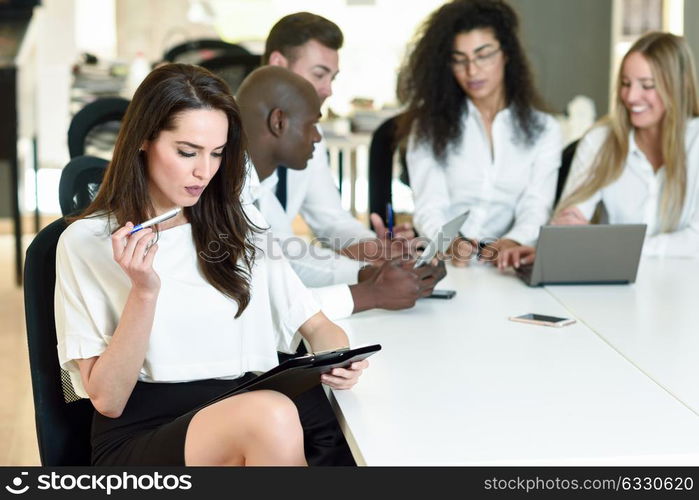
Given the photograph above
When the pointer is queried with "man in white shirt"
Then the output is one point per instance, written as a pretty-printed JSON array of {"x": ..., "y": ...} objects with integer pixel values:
[
  {"x": 279, "y": 110},
  {"x": 308, "y": 45}
]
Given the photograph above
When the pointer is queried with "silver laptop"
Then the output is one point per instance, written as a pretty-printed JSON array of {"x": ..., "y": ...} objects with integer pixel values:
[{"x": 589, "y": 254}]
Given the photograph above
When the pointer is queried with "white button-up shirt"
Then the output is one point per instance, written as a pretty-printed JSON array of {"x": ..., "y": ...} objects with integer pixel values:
[
  {"x": 312, "y": 193},
  {"x": 634, "y": 198},
  {"x": 509, "y": 192}
]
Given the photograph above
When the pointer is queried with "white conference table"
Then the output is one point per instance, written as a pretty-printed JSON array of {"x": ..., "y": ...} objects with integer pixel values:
[
  {"x": 458, "y": 384},
  {"x": 652, "y": 322}
]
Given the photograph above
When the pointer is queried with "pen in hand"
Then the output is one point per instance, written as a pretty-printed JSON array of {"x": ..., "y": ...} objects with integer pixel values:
[
  {"x": 389, "y": 219},
  {"x": 156, "y": 220}
]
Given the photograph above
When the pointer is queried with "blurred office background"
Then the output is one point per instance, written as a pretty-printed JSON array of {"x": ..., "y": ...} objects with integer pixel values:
[{"x": 56, "y": 56}]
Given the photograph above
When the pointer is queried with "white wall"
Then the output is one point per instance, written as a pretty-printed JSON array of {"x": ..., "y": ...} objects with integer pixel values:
[
  {"x": 153, "y": 26},
  {"x": 55, "y": 54},
  {"x": 95, "y": 27},
  {"x": 376, "y": 36}
]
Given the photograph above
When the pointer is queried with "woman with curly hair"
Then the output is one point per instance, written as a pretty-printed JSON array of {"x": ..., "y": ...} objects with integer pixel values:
[
  {"x": 641, "y": 162},
  {"x": 478, "y": 139}
]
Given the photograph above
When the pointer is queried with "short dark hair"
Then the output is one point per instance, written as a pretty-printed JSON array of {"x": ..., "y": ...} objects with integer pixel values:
[{"x": 294, "y": 30}]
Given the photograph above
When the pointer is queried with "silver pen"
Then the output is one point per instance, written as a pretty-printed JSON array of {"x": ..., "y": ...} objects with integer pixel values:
[{"x": 156, "y": 220}]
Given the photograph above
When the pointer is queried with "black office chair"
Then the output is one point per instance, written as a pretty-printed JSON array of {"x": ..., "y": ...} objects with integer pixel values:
[
  {"x": 100, "y": 112},
  {"x": 80, "y": 180},
  {"x": 196, "y": 51},
  {"x": 232, "y": 68},
  {"x": 62, "y": 428},
  {"x": 563, "y": 171},
  {"x": 381, "y": 150}
]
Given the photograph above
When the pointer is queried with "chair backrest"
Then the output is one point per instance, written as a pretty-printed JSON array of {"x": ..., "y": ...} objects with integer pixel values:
[
  {"x": 381, "y": 150},
  {"x": 63, "y": 429},
  {"x": 563, "y": 171},
  {"x": 99, "y": 112},
  {"x": 232, "y": 68},
  {"x": 192, "y": 51},
  {"x": 80, "y": 180}
]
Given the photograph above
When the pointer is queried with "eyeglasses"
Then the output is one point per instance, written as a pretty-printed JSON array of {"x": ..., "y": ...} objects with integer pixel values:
[{"x": 481, "y": 61}]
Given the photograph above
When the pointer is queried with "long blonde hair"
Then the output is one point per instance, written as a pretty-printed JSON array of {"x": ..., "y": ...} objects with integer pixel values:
[{"x": 672, "y": 67}]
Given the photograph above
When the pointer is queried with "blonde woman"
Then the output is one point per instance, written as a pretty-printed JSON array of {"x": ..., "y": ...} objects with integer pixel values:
[{"x": 642, "y": 160}]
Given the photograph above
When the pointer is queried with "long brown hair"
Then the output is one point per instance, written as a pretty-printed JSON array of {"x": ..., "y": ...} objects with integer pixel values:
[
  {"x": 218, "y": 216},
  {"x": 672, "y": 66}
]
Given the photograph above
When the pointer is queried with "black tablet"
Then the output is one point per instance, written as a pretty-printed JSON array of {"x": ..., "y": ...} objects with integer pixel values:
[{"x": 297, "y": 375}]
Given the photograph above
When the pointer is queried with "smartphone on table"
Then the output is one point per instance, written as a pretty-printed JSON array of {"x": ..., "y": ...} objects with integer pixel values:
[
  {"x": 441, "y": 294},
  {"x": 542, "y": 319}
]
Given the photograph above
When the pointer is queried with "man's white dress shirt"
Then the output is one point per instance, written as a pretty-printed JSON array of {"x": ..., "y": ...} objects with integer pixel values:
[{"x": 312, "y": 193}]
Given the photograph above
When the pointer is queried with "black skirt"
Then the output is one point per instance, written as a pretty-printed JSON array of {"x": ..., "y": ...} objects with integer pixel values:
[{"x": 153, "y": 426}]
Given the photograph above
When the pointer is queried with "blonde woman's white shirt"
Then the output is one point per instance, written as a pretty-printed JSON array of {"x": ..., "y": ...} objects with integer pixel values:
[
  {"x": 509, "y": 191},
  {"x": 634, "y": 198},
  {"x": 195, "y": 334}
]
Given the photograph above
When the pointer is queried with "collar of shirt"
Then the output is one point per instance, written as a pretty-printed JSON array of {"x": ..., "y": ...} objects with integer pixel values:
[
  {"x": 633, "y": 147},
  {"x": 639, "y": 164},
  {"x": 254, "y": 188},
  {"x": 270, "y": 183},
  {"x": 473, "y": 111}
]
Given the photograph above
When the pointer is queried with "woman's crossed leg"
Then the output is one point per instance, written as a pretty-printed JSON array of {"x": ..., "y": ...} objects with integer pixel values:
[{"x": 254, "y": 428}]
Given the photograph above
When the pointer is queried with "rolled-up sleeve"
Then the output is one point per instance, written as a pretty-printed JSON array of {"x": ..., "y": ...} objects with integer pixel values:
[{"x": 80, "y": 315}]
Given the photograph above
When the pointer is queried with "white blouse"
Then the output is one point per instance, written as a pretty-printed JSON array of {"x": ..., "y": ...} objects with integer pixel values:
[
  {"x": 510, "y": 191},
  {"x": 635, "y": 196},
  {"x": 195, "y": 334}
]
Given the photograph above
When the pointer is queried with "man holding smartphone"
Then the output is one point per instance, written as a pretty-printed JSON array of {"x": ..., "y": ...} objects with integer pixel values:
[{"x": 308, "y": 45}]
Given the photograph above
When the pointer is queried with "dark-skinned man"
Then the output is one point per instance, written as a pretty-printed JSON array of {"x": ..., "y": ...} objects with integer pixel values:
[{"x": 280, "y": 110}]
